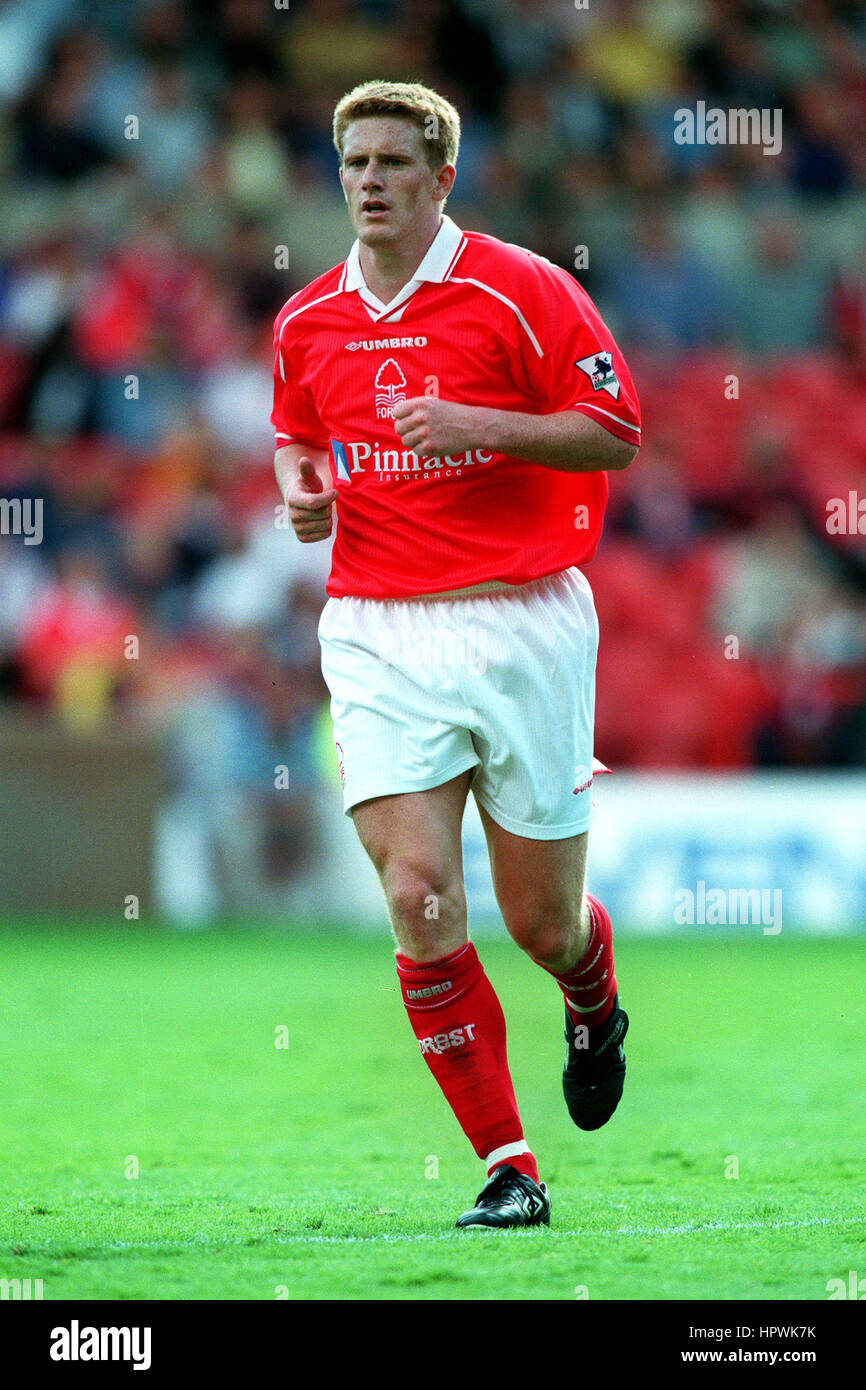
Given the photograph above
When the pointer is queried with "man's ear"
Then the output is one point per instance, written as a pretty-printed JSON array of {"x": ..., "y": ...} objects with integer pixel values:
[
  {"x": 342, "y": 185},
  {"x": 444, "y": 182}
]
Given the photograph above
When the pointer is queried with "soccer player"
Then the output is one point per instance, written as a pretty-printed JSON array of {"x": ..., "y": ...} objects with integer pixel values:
[{"x": 458, "y": 401}]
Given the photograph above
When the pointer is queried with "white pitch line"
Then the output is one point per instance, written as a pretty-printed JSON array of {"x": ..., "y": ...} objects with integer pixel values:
[{"x": 389, "y": 1238}]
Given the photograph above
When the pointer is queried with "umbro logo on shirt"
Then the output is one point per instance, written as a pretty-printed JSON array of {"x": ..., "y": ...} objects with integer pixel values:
[{"x": 369, "y": 344}]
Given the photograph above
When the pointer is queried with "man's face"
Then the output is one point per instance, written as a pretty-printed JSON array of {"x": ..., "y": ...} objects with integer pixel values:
[{"x": 390, "y": 188}]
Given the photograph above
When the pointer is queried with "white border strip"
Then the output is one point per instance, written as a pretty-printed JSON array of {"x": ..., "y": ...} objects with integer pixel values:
[
  {"x": 506, "y": 1151},
  {"x": 294, "y": 314},
  {"x": 456, "y": 280},
  {"x": 434, "y": 1237},
  {"x": 590, "y": 405}
]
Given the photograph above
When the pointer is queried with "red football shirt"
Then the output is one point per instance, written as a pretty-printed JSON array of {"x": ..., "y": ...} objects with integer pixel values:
[{"x": 482, "y": 322}]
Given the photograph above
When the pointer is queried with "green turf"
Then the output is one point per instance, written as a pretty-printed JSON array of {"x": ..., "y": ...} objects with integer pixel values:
[{"x": 303, "y": 1171}]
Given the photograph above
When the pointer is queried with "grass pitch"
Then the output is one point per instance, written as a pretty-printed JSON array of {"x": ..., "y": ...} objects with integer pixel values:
[{"x": 246, "y": 1115}]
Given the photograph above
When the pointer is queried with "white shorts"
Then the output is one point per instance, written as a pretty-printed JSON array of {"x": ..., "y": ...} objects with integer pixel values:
[{"x": 423, "y": 689}]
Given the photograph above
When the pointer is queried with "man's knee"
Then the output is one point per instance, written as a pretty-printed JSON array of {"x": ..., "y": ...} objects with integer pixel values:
[
  {"x": 422, "y": 893},
  {"x": 548, "y": 928}
]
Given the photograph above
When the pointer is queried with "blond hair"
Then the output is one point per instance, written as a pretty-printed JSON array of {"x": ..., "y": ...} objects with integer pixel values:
[{"x": 435, "y": 117}]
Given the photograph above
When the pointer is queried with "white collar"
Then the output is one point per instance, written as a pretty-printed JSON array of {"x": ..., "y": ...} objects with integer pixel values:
[{"x": 441, "y": 255}]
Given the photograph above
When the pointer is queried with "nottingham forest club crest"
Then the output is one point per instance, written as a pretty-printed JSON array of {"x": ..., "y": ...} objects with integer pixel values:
[
  {"x": 599, "y": 368},
  {"x": 390, "y": 387}
]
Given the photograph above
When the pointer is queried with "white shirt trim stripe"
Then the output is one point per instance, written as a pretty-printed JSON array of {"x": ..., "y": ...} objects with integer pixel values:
[
  {"x": 294, "y": 314},
  {"x": 295, "y": 439},
  {"x": 590, "y": 405},
  {"x": 456, "y": 257},
  {"x": 490, "y": 290}
]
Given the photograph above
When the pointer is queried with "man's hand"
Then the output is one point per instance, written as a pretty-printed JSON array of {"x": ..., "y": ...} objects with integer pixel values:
[
  {"x": 434, "y": 428},
  {"x": 309, "y": 503}
]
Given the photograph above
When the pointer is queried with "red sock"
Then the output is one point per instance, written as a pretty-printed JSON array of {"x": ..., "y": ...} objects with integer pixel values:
[
  {"x": 590, "y": 986},
  {"x": 460, "y": 1027}
]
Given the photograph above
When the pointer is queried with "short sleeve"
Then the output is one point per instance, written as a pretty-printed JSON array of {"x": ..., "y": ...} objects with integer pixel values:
[
  {"x": 294, "y": 416},
  {"x": 573, "y": 362}
]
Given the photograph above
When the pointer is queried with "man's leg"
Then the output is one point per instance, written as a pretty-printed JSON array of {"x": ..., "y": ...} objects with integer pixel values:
[
  {"x": 540, "y": 890},
  {"x": 539, "y": 886},
  {"x": 414, "y": 842}
]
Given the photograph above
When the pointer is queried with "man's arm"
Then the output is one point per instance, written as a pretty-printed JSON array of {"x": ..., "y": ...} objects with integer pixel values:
[
  {"x": 304, "y": 479},
  {"x": 568, "y": 441}
]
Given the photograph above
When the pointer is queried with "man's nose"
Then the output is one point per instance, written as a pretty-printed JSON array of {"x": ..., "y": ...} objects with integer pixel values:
[{"x": 372, "y": 175}]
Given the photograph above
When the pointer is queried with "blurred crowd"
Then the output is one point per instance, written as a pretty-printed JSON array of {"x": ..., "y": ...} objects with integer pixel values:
[{"x": 169, "y": 179}]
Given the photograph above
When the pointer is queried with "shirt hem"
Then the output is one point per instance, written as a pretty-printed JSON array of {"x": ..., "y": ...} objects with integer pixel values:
[{"x": 478, "y": 590}]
